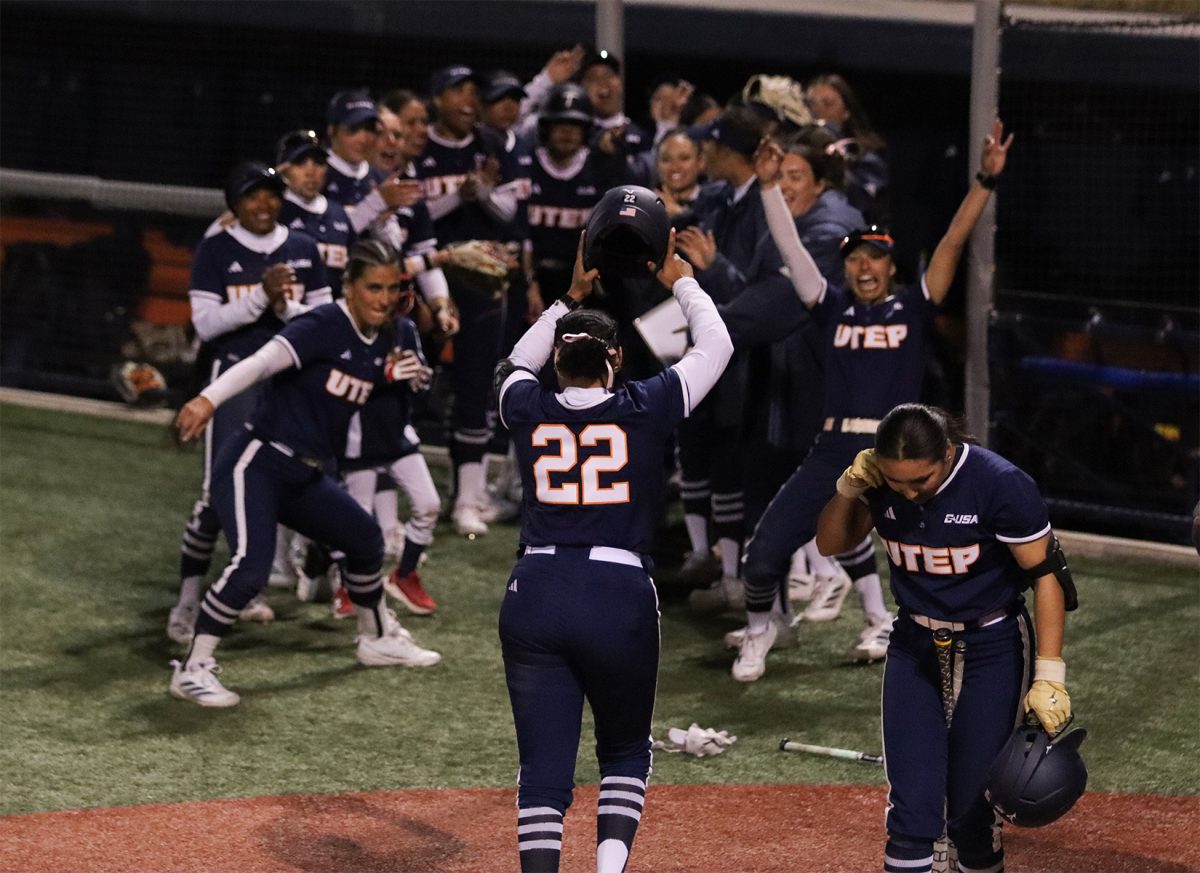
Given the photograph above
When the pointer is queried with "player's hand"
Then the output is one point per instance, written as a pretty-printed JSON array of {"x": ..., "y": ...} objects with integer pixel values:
[
  {"x": 445, "y": 313},
  {"x": 768, "y": 163},
  {"x": 422, "y": 380},
  {"x": 669, "y": 201},
  {"x": 1047, "y": 697},
  {"x": 995, "y": 150},
  {"x": 534, "y": 305},
  {"x": 859, "y": 476},
  {"x": 275, "y": 281},
  {"x": 674, "y": 267},
  {"x": 700, "y": 247},
  {"x": 667, "y": 103},
  {"x": 612, "y": 141},
  {"x": 193, "y": 417},
  {"x": 402, "y": 365},
  {"x": 564, "y": 64},
  {"x": 400, "y": 193},
  {"x": 581, "y": 279}
]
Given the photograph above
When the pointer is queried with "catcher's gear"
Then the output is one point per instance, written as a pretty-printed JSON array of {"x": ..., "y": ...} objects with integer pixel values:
[
  {"x": 249, "y": 176},
  {"x": 565, "y": 103},
  {"x": 478, "y": 266},
  {"x": 859, "y": 476},
  {"x": 782, "y": 95},
  {"x": 627, "y": 229},
  {"x": 1034, "y": 781},
  {"x": 696, "y": 741},
  {"x": 1056, "y": 563}
]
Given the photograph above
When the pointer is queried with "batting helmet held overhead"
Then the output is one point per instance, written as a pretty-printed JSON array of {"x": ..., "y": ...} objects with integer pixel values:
[
  {"x": 627, "y": 229},
  {"x": 1034, "y": 780}
]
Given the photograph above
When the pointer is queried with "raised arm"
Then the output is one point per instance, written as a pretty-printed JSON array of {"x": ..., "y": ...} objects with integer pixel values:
[
  {"x": 846, "y": 518},
  {"x": 803, "y": 272},
  {"x": 942, "y": 266}
]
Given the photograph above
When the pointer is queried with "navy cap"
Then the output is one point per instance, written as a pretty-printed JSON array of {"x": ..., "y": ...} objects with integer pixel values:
[
  {"x": 351, "y": 108},
  {"x": 448, "y": 77},
  {"x": 594, "y": 57},
  {"x": 502, "y": 84},
  {"x": 873, "y": 236},
  {"x": 298, "y": 144},
  {"x": 250, "y": 176},
  {"x": 727, "y": 135}
]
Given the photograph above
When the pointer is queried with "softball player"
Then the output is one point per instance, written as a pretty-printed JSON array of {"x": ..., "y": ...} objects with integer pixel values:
[
  {"x": 966, "y": 532},
  {"x": 248, "y": 279},
  {"x": 580, "y": 617},
  {"x": 326, "y": 365},
  {"x": 875, "y": 339}
]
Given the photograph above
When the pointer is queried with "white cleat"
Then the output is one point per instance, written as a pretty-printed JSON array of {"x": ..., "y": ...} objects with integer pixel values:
[
  {"x": 283, "y": 575},
  {"x": 800, "y": 582},
  {"x": 787, "y": 632},
  {"x": 728, "y": 592},
  {"x": 828, "y": 596},
  {"x": 257, "y": 610},
  {"x": 873, "y": 640},
  {"x": 468, "y": 522},
  {"x": 751, "y": 661},
  {"x": 181, "y": 623},
  {"x": 396, "y": 648},
  {"x": 201, "y": 685}
]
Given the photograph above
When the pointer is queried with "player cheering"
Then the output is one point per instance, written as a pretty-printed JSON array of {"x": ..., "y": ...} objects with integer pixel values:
[
  {"x": 580, "y": 616},
  {"x": 326, "y": 364},
  {"x": 875, "y": 337},
  {"x": 966, "y": 532}
]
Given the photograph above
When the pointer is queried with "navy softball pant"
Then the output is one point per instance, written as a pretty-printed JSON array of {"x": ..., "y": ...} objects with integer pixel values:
[
  {"x": 790, "y": 519},
  {"x": 573, "y": 628},
  {"x": 937, "y": 775},
  {"x": 476, "y": 351},
  {"x": 257, "y": 484}
]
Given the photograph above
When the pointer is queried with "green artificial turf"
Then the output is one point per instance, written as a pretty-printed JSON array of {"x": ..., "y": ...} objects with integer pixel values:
[{"x": 91, "y": 511}]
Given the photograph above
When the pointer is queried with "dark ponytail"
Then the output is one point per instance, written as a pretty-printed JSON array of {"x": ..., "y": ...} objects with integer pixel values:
[
  {"x": 586, "y": 340},
  {"x": 915, "y": 432}
]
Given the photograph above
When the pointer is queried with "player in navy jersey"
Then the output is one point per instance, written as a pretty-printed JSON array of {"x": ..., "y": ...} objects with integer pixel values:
[
  {"x": 325, "y": 365},
  {"x": 875, "y": 337},
  {"x": 600, "y": 76},
  {"x": 580, "y": 616},
  {"x": 248, "y": 280},
  {"x": 966, "y": 533},
  {"x": 470, "y": 198},
  {"x": 303, "y": 164}
]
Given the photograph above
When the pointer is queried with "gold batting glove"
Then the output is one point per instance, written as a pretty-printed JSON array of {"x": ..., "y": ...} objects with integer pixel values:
[
  {"x": 1047, "y": 697},
  {"x": 859, "y": 476}
]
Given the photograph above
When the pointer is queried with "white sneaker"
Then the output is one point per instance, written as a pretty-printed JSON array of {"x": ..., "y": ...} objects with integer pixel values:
[
  {"x": 257, "y": 610},
  {"x": 201, "y": 685},
  {"x": 873, "y": 640},
  {"x": 467, "y": 521},
  {"x": 751, "y": 661},
  {"x": 181, "y": 623},
  {"x": 787, "y": 629},
  {"x": 728, "y": 592},
  {"x": 828, "y": 596},
  {"x": 396, "y": 648},
  {"x": 497, "y": 509}
]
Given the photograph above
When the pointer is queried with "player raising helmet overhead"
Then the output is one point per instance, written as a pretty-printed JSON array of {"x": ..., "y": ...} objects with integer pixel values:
[{"x": 580, "y": 616}]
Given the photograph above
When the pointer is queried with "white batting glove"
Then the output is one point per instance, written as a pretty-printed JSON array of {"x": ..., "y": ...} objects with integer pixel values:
[{"x": 696, "y": 741}]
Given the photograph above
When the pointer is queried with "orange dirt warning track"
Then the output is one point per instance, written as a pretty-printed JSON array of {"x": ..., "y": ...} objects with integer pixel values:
[{"x": 687, "y": 829}]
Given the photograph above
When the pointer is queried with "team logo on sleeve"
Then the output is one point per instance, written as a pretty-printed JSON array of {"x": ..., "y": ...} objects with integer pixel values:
[{"x": 934, "y": 560}]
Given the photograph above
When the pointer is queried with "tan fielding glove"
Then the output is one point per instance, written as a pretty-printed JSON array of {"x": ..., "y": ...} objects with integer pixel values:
[
  {"x": 1047, "y": 697},
  {"x": 859, "y": 476}
]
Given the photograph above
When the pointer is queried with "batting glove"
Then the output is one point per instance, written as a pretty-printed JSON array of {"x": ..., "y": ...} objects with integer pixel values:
[
  {"x": 859, "y": 476},
  {"x": 696, "y": 741},
  {"x": 1047, "y": 697},
  {"x": 403, "y": 367}
]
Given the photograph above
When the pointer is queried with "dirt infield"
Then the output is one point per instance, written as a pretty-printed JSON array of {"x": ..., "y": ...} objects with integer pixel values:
[{"x": 687, "y": 829}]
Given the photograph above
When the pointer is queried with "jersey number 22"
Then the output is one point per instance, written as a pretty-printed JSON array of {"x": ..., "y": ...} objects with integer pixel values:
[{"x": 587, "y": 490}]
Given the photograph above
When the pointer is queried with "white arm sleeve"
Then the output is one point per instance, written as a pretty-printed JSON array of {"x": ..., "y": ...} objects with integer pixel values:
[
  {"x": 366, "y": 210},
  {"x": 272, "y": 358},
  {"x": 533, "y": 350},
  {"x": 444, "y": 205},
  {"x": 433, "y": 284},
  {"x": 806, "y": 278},
  {"x": 712, "y": 348},
  {"x": 501, "y": 202},
  {"x": 535, "y": 93},
  {"x": 212, "y": 318}
]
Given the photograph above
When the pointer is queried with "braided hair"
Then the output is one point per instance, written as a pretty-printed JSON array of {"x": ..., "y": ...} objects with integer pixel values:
[
  {"x": 369, "y": 253},
  {"x": 587, "y": 346}
]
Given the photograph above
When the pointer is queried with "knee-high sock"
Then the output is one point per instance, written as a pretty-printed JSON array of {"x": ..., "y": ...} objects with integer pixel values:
[
  {"x": 618, "y": 813},
  {"x": 539, "y": 838},
  {"x": 859, "y": 564},
  {"x": 908, "y": 856}
]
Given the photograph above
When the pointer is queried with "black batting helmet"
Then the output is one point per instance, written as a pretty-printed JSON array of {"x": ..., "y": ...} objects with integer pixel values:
[
  {"x": 249, "y": 176},
  {"x": 566, "y": 103},
  {"x": 1034, "y": 781},
  {"x": 627, "y": 228}
]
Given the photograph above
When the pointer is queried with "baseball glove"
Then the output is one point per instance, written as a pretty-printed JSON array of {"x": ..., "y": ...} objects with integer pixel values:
[
  {"x": 782, "y": 95},
  {"x": 478, "y": 266}
]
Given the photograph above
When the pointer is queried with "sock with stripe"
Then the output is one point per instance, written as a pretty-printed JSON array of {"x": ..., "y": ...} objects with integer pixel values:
[
  {"x": 539, "y": 838},
  {"x": 618, "y": 813},
  {"x": 908, "y": 856}
]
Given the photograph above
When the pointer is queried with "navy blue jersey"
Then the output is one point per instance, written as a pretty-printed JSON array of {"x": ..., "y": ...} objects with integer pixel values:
[
  {"x": 592, "y": 476},
  {"x": 326, "y": 222},
  {"x": 950, "y": 556},
  {"x": 560, "y": 199},
  {"x": 382, "y": 430},
  {"x": 335, "y": 371},
  {"x": 874, "y": 353},
  {"x": 443, "y": 168},
  {"x": 348, "y": 184},
  {"x": 224, "y": 270}
]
